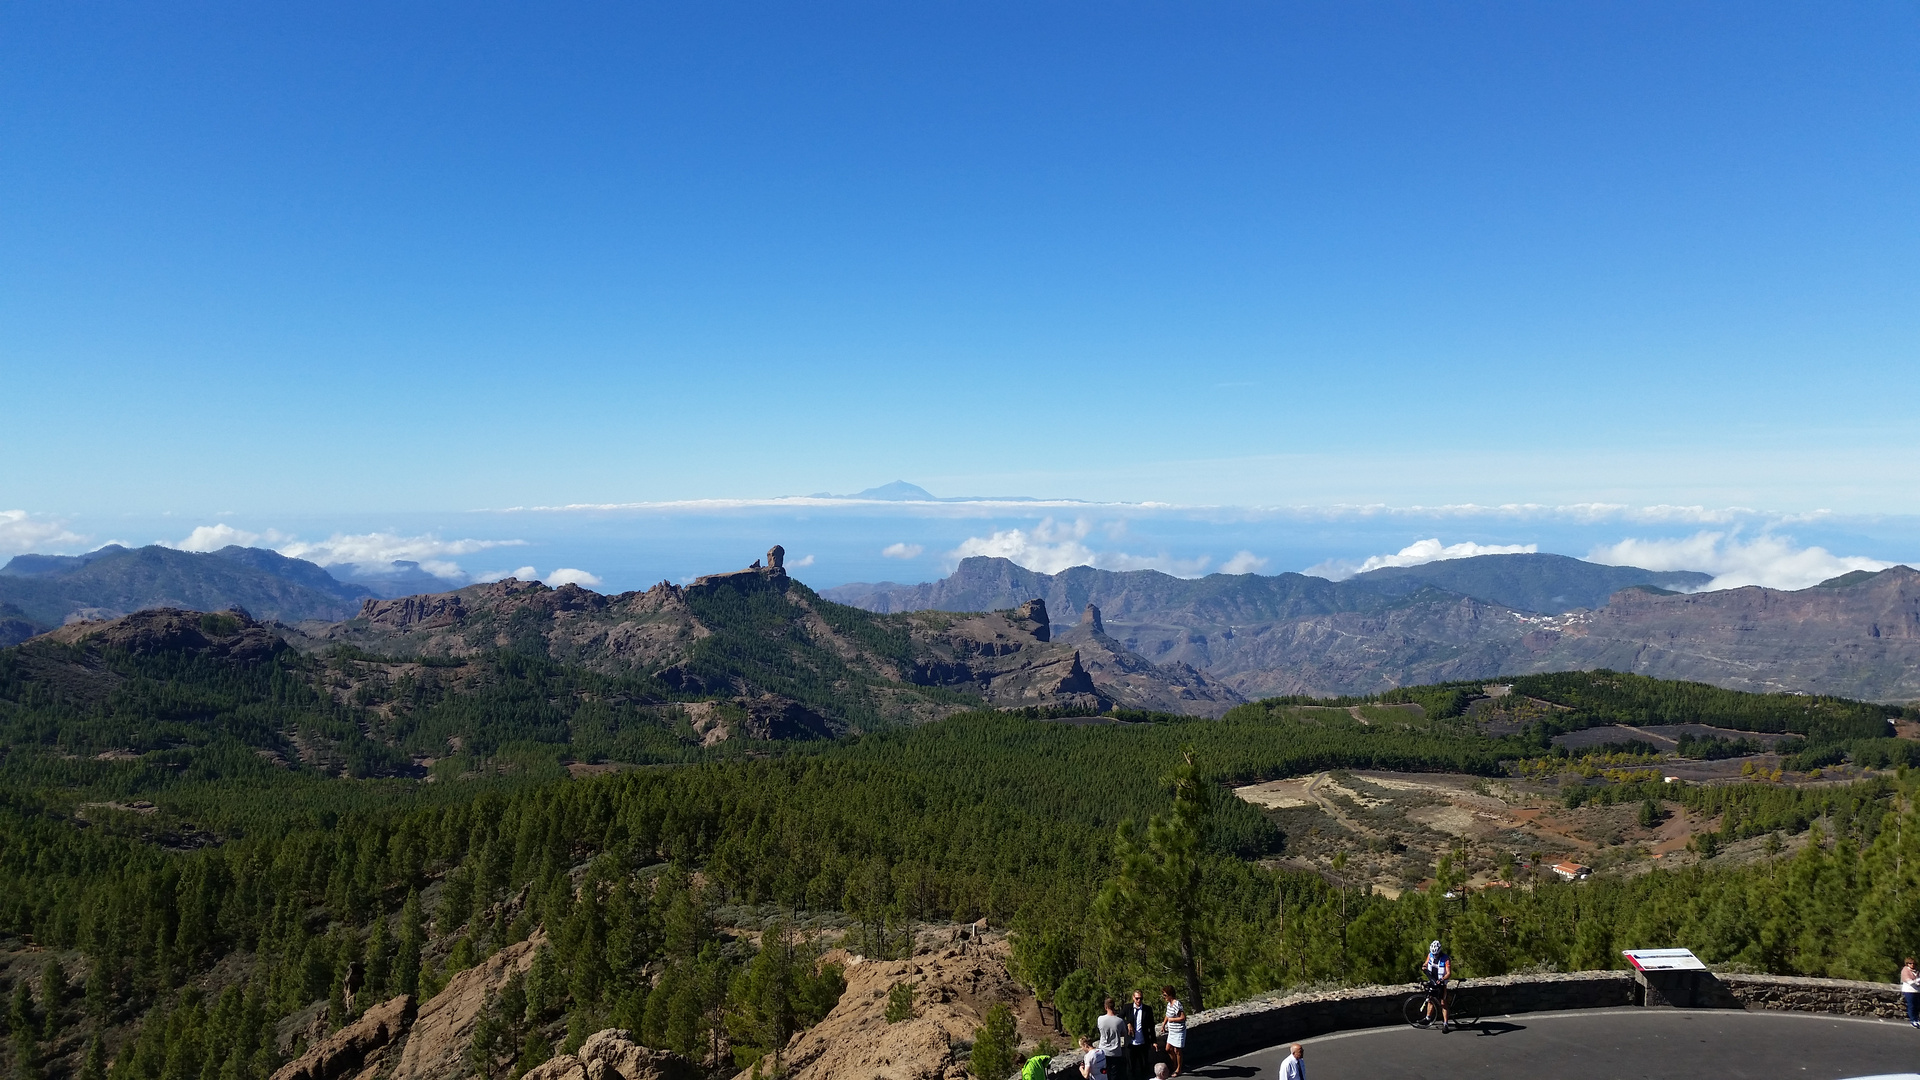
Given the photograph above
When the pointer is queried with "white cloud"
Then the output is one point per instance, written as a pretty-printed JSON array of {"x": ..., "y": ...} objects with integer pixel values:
[
  {"x": 1418, "y": 553},
  {"x": 1048, "y": 549},
  {"x": 565, "y": 575},
  {"x": 1052, "y": 547},
  {"x": 1244, "y": 562},
  {"x": 1769, "y": 560},
  {"x": 804, "y": 560},
  {"x": 373, "y": 551},
  {"x": 215, "y": 537},
  {"x": 435, "y": 556},
  {"x": 901, "y": 551},
  {"x": 21, "y": 532}
]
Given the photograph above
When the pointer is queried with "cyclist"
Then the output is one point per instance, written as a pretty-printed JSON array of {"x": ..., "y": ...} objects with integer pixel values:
[{"x": 1437, "y": 970}]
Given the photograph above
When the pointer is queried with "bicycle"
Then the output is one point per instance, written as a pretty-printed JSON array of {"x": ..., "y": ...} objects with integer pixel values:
[{"x": 1423, "y": 1007}]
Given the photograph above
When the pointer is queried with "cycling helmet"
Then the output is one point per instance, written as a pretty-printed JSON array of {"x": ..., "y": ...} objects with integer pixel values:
[{"x": 1433, "y": 949}]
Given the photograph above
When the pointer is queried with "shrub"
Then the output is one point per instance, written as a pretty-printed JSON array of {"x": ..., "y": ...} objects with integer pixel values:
[{"x": 995, "y": 1046}]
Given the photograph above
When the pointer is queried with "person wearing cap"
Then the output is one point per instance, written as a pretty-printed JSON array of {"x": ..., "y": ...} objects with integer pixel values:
[{"x": 1438, "y": 969}]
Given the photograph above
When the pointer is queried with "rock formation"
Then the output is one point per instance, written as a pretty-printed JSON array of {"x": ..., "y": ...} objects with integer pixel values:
[
  {"x": 774, "y": 573},
  {"x": 613, "y": 1055},
  {"x": 954, "y": 986},
  {"x": 1090, "y": 620},
  {"x": 347, "y": 1051},
  {"x": 1035, "y": 612},
  {"x": 227, "y": 635},
  {"x": 440, "y": 1034}
]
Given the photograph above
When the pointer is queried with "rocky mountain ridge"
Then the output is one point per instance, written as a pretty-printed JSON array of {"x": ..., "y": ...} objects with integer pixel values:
[
  {"x": 1856, "y": 636},
  {"x": 687, "y": 637},
  {"x": 1539, "y": 583}
]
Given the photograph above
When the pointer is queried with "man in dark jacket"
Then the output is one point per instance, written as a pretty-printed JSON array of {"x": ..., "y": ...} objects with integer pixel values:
[{"x": 1139, "y": 1048}]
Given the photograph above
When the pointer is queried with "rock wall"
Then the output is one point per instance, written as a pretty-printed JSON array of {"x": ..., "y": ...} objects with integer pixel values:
[
  {"x": 1251, "y": 1025},
  {"x": 1843, "y": 996}
]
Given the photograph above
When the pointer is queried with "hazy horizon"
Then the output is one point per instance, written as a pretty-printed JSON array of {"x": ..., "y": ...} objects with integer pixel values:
[{"x": 833, "y": 541}]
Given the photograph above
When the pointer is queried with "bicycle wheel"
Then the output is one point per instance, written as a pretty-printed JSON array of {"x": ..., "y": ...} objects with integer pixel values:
[
  {"x": 1415, "y": 1010},
  {"x": 1465, "y": 1015}
]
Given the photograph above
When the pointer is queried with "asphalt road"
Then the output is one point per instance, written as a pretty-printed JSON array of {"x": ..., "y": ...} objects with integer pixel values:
[{"x": 1606, "y": 1044}]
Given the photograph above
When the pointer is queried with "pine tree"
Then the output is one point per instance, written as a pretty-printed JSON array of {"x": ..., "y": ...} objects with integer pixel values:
[
  {"x": 1159, "y": 887},
  {"x": 488, "y": 1032},
  {"x": 995, "y": 1045},
  {"x": 95, "y": 1067},
  {"x": 99, "y": 992},
  {"x": 53, "y": 996},
  {"x": 26, "y": 1055},
  {"x": 20, "y": 1015},
  {"x": 379, "y": 961},
  {"x": 413, "y": 938}
]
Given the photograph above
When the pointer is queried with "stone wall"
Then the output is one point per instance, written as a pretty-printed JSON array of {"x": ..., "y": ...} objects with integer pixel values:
[
  {"x": 1843, "y": 996},
  {"x": 1250, "y": 1025},
  {"x": 1233, "y": 1030}
]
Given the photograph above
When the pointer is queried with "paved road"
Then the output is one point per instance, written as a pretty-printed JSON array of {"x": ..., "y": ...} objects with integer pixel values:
[{"x": 1607, "y": 1044}]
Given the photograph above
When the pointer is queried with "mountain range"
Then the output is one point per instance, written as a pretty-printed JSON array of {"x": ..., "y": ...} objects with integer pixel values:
[
  {"x": 782, "y": 655},
  {"x": 996, "y": 633},
  {"x": 1857, "y": 636},
  {"x": 40, "y": 592},
  {"x": 47, "y": 590}
]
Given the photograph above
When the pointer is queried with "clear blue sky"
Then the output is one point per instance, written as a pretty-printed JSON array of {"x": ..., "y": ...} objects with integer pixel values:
[{"x": 389, "y": 257}]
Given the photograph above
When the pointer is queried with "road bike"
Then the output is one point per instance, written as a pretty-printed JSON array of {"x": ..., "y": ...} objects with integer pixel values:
[{"x": 1422, "y": 1009}]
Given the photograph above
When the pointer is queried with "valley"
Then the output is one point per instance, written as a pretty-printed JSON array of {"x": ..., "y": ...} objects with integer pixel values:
[{"x": 492, "y": 829}]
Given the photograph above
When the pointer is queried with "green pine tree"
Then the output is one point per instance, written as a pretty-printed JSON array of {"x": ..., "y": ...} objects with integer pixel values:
[
  {"x": 1159, "y": 889},
  {"x": 995, "y": 1045}
]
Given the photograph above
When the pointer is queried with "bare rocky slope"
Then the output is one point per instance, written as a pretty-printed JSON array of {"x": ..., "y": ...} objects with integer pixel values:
[
  {"x": 1856, "y": 636},
  {"x": 957, "y": 974},
  {"x": 955, "y": 983}
]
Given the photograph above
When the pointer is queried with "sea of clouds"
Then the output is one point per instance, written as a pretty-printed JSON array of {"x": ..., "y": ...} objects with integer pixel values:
[{"x": 831, "y": 541}]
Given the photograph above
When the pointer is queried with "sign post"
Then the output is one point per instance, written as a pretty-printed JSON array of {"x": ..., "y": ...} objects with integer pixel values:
[{"x": 1674, "y": 978}]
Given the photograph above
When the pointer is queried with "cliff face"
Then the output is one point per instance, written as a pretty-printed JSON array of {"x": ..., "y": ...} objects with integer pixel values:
[
  {"x": 1860, "y": 639},
  {"x": 1257, "y": 637}
]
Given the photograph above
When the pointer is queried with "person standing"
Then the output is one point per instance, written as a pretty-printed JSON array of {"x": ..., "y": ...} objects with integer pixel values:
[
  {"x": 1139, "y": 1037},
  {"x": 1910, "y": 990},
  {"x": 1438, "y": 970},
  {"x": 1093, "y": 1063},
  {"x": 1295, "y": 1066},
  {"x": 1176, "y": 1029},
  {"x": 1113, "y": 1036}
]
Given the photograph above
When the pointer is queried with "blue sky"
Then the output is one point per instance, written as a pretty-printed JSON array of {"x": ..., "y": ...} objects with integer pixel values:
[{"x": 359, "y": 267}]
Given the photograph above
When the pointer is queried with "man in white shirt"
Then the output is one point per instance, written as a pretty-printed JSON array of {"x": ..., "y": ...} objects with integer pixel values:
[
  {"x": 1295, "y": 1066},
  {"x": 1093, "y": 1065}
]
